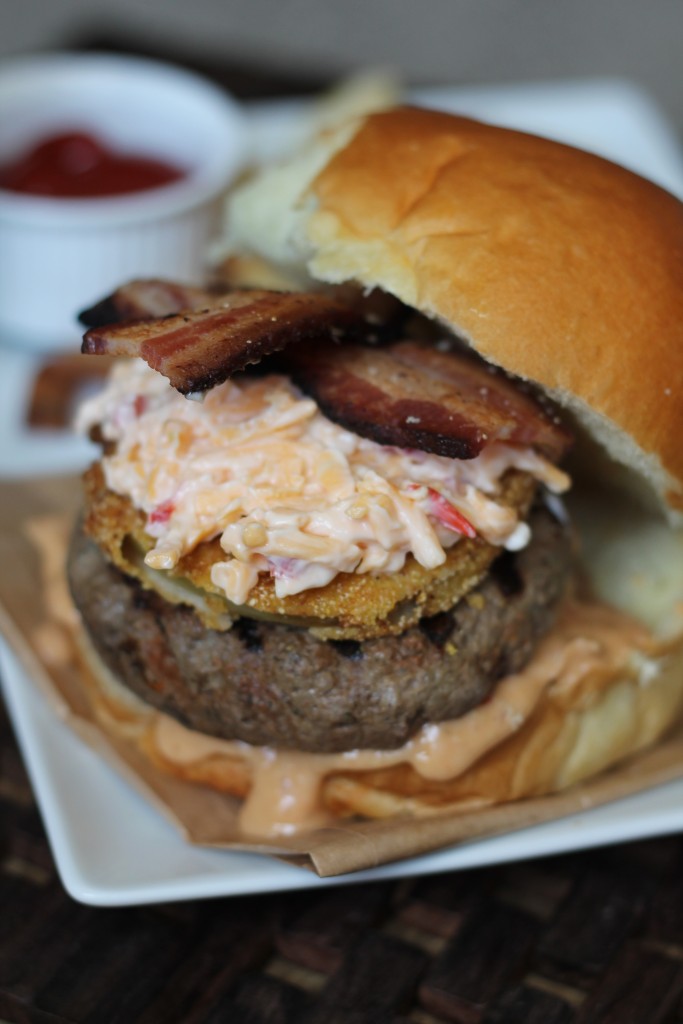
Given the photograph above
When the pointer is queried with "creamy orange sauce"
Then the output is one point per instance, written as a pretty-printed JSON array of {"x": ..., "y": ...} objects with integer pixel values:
[
  {"x": 591, "y": 644},
  {"x": 51, "y": 637},
  {"x": 288, "y": 492}
]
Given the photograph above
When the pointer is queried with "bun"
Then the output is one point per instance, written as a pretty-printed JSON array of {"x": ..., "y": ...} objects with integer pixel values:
[{"x": 559, "y": 266}]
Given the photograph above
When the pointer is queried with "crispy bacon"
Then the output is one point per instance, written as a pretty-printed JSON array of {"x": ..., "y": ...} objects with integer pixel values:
[
  {"x": 144, "y": 298},
  {"x": 409, "y": 394},
  {"x": 413, "y": 395},
  {"x": 197, "y": 349}
]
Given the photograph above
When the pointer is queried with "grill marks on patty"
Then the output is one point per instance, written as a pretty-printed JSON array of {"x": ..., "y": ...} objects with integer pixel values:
[
  {"x": 506, "y": 574},
  {"x": 277, "y": 685},
  {"x": 249, "y": 632},
  {"x": 438, "y": 628}
]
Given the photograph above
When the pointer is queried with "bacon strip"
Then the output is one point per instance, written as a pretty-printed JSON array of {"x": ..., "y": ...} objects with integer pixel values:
[
  {"x": 408, "y": 394},
  {"x": 144, "y": 298},
  {"x": 414, "y": 396},
  {"x": 197, "y": 349}
]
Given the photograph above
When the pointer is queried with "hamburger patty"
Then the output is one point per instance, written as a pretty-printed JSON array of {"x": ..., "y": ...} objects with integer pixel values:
[{"x": 277, "y": 685}]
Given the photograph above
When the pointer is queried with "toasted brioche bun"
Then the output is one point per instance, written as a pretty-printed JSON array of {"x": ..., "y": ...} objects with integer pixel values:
[{"x": 559, "y": 266}]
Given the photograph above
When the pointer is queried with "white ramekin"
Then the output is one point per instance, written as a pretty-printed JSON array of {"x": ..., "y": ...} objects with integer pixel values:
[{"x": 60, "y": 255}]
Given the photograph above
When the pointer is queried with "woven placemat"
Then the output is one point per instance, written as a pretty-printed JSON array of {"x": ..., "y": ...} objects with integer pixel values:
[{"x": 593, "y": 937}]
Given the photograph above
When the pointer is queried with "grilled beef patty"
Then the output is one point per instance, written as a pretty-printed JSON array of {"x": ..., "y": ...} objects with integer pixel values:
[{"x": 277, "y": 685}]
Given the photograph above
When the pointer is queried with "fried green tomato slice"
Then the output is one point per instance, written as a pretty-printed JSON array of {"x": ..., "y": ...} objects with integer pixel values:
[{"x": 352, "y": 606}]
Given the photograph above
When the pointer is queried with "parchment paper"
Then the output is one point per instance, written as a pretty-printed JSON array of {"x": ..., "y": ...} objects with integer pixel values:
[{"x": 35, "y": 520}]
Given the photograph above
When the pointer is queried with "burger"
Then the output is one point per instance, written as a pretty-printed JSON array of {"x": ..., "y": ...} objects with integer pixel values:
[{"x": 415, "y": 546}]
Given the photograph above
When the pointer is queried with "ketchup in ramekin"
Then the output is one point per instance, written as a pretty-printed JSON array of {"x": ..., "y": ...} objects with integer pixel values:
[{"x": 78, "y": 165}]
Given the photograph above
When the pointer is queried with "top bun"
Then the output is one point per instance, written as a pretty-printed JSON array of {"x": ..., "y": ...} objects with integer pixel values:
[{"x": 561, "y": 267}]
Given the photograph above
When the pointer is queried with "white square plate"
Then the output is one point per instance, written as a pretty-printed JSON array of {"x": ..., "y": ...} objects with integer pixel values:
[{"x": 111, "y": 848}]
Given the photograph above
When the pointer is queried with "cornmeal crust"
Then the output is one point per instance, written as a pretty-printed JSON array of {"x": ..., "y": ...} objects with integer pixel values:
[{"x": 351, "y": 607}]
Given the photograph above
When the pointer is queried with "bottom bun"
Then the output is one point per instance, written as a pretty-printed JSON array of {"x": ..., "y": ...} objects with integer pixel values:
[{"x": 599, "y": 689}]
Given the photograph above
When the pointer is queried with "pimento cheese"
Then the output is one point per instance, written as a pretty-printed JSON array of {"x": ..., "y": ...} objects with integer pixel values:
[{"x": 288, "y": 492}]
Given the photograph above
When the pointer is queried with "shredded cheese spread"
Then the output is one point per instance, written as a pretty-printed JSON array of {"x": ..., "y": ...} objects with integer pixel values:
[{"x": 288, "y": 492}]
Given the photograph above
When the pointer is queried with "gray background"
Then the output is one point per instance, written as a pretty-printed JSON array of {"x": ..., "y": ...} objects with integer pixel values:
[{"x": 427, "y": 41}]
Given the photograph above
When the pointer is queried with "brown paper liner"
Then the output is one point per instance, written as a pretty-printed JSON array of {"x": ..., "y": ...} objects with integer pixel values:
[{"x": 36, "y": 517}]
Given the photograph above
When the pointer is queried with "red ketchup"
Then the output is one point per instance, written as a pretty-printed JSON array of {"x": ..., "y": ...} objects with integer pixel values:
[{"x": 75, "y": 165}]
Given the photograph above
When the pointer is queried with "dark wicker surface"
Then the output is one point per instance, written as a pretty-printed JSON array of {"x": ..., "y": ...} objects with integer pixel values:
[{"x": 587, "y": 938}]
